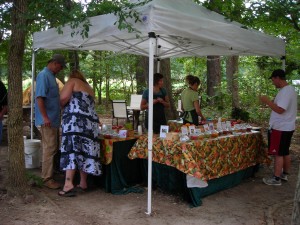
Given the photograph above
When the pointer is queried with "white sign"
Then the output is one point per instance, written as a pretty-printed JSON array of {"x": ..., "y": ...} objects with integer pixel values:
[
  {"x": 192, "y": 129},
  {"x": 206, "y": 128},
  {"x": 211, "y": 126},
  {"x": 122, "y": 133},
  {"x": 184, "y": 130},
  {"x": 224, "y": 125},
  {"x": 163, "y": 131}
]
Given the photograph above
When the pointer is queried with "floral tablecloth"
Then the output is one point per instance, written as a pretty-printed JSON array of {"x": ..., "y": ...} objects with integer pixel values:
[
  {"x": 106, "y": 152},
  {"x": 206, "y": 159}
]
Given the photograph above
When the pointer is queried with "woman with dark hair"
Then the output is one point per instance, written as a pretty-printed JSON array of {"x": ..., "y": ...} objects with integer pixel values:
[
  {"x": 190, "y": 102},
  {"x": 160, "y": 102}
]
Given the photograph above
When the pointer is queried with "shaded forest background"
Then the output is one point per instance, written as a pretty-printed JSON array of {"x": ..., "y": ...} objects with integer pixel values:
[{"x": 227, "y": 83}]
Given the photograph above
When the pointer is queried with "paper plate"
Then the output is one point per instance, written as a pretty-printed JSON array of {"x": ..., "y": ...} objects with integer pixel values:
[{"x": 255, "y": 131}]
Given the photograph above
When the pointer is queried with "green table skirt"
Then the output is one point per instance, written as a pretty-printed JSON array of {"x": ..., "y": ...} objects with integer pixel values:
[
  {"x": 122, "y": 175},
  {"x": 174, "y": 181}
]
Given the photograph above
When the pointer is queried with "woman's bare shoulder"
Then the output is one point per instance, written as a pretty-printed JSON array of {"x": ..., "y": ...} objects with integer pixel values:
[{"x": 83, "y": 86}]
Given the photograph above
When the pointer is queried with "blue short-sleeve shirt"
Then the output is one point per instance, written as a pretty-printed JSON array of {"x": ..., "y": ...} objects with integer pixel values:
[{"x": 47, "y": 88}]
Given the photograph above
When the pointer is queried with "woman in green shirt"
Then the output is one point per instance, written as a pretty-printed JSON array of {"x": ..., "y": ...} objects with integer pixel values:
[{"x": 190, "y": 102}]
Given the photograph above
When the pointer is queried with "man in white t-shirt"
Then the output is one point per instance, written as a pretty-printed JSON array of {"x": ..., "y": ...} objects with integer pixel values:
[{"x": 282, "y": 125}]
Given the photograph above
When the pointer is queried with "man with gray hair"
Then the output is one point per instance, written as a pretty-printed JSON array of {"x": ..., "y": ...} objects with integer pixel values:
[{"x": 47, "y": 116}]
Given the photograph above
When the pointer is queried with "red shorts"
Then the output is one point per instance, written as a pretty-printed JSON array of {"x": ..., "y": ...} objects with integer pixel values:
[{"x": 279, "y": 142}]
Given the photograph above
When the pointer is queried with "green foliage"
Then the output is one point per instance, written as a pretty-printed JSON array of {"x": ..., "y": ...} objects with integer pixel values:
[
  {"x": 238, "y": 113},
  {"x": 34, "y": 179},
  {"x": 103, "y": 109},
  {"x": 280, "y": 18},
  {"x": 117, "y": 72}
]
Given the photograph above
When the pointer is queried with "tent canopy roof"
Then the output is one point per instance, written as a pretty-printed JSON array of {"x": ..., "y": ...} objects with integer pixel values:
[{"x": 183, "y": 28}]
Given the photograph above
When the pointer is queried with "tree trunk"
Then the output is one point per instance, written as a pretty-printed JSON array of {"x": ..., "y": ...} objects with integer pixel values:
[
  {"x": 142, "y": 73},
  {"x": 99, "y": 79},
  {"x": 107, "y": 78},
  {"x": 213, "y": 75},
  {"x": 296, "y": 209},
  {"x": 17, "y": 184},
  {"x": 73, "y": 60},
  {"x": 96, "y": 77},
  {"x": 166, "y": 71},
  {"x": 232, "y": 79}
]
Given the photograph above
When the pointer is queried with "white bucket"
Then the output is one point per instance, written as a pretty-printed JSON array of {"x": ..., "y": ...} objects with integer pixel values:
[{"x": 32, "y": 153}]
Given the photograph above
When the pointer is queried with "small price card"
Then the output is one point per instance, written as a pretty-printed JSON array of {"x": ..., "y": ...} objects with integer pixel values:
[
  {"x": 228, "y": 124},
  {"x": 122, "y": 133},
  {"x": 163, "y": 131},
  {"x": 211, "y": 126},
  {"x": 224, "y": 125},
  {"x": 206, "y": 128},
  {"x": 192, "y": 129},
  {"x": 184, "y": 130},
  {"x": 197, "y": 131}
]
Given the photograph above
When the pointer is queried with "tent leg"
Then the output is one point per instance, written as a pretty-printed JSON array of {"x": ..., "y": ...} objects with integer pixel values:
[
  {"x": 283, "y": 62},
  {"x": 158, "y": 66},
  {"x": 152, "y": 40},
  {"x": 157, "y": 48},
  {"x": 32, "y": 92}
]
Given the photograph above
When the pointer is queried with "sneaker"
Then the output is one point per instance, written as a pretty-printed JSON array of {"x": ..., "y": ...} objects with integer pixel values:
[
  {"x": 284, "y": 177},
  {"x": 52, "y": 184},
  {"x": 272, "y": 181}
]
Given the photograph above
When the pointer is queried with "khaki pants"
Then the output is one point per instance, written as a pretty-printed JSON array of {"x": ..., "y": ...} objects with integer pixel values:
[{"x": 50, "y": 146}]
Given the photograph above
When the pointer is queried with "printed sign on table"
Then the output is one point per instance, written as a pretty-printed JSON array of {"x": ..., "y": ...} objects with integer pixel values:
[
  {"x": 197, "y": 131},
  {"x": 122, "y": 133},
  {"x": 206, "y": 128},
  {"x": 228, "y": 124},
  {"x": 163, "y": 131},
  {"x": 192, "y": 129},
  {"x": 184, "y": 130}
]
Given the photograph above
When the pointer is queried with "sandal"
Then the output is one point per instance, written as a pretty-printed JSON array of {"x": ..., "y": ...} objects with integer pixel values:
[
  {"x": 80, "y": 189},
  {"x": 69, "y": 193}
]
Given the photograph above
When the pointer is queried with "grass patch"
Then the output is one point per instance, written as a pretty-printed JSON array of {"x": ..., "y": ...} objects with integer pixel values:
[{"x": 34, "y": 179}]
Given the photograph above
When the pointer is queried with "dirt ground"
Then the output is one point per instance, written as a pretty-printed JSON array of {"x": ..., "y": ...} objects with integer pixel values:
[{"x": 250, "y": 203}]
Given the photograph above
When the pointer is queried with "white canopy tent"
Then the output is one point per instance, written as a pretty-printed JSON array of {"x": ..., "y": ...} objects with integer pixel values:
[
  {"x": 183, "y": 28},
  {"x": 178, "y": 28}
]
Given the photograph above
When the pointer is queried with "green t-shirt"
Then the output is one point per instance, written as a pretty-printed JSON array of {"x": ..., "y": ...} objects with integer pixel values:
[{"x": 188, "y": 97}]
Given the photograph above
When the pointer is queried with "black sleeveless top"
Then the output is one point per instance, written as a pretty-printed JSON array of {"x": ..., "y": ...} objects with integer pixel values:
[{"x": 159, "y": 117}]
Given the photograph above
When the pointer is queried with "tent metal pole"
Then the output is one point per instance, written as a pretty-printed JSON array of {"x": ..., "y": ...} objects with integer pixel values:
[
  {"x": 283, "y": 62},
  {"x": 152, "y": 40},
  {"x": 32, "y": 92},
  {"x": 158, "y": 47}
]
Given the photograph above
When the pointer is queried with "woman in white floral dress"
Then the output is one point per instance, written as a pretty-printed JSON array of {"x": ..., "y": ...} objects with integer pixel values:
[{"x": 80, "y": 147}]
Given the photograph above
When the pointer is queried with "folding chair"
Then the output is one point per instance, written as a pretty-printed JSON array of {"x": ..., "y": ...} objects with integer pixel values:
[
  {"x": 135, "y": 110},
  {"x": 135, "y": 101},
  {"x": 119, "y": 110}
]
